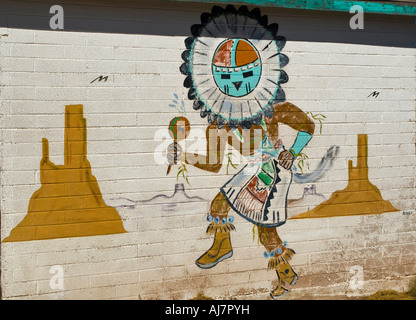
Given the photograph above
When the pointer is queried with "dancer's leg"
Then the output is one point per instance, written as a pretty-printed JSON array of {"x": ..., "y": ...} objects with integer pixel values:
[
  {"x": 279, "y": 256},
  {"x": 220, "y": 226}
]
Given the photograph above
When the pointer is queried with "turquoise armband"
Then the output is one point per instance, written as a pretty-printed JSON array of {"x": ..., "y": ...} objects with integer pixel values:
[{"x": 301, "y": 141}]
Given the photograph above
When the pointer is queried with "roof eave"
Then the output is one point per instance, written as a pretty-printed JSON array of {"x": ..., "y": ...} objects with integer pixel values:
[{"x": 375, "y": 7}]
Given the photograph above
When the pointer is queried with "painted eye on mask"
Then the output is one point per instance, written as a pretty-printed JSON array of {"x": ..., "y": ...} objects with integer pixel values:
[
  {"x": 225, "y": 76},
  {"x": 247, "y": 74}
]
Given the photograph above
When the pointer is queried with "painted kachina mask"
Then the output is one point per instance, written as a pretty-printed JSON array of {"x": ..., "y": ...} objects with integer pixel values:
[
  {"x": 233, "y": 66},
  {"x": 236, "y": 67}
]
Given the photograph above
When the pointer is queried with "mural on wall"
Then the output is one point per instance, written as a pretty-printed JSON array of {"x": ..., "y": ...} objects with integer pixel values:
[
  {"x": 233, "y": 67},
  {"x": 233, "y": 70},
  {"x": 69, "y": 202},
  {"x": 359, "y": 197}
]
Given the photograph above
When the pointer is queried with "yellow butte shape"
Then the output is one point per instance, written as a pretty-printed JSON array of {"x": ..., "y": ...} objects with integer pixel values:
[
  {"x": 69, "y": 202},
  {"x": 358, "y": 198}
]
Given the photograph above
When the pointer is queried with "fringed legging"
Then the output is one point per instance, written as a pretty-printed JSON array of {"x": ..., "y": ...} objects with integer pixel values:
[{"x": 222, "y": 222}]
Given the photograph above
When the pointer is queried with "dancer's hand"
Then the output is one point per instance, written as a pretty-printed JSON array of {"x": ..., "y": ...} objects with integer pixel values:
[{"x": 286, "y": 159}]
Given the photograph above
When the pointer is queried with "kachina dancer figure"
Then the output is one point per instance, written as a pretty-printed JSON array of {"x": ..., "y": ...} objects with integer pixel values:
[{"x": 233, "y": 67}]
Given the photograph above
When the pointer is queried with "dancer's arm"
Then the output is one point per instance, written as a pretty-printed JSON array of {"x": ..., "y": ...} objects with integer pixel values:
[
  {"x": 295, "y": 118},
  {"x": 212, "y": 161}
]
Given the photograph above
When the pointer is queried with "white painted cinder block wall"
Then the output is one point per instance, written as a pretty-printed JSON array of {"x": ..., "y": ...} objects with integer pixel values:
[{"x": 43, "y": 70}]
